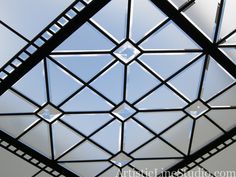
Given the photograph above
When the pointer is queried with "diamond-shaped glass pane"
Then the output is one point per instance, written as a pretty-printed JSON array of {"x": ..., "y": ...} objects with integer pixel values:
[
  {"x": 121, "y": 159},
  {"x": 196, "y": 109},
  {"x": 49, "y": 113},
  {"x": 124, "y": 111},
  {"x": 126, "y": 52}
]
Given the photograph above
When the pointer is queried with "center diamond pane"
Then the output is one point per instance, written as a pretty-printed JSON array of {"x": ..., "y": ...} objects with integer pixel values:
[
  {"x": 126, "y": 52},
  {"x": 49, "y": 113},
  {"x": 124, "y": 111},
  {"x": 121, "y": 159},
  {"x": 196, "y": 109}
]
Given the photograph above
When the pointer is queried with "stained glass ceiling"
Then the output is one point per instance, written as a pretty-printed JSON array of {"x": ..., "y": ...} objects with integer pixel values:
[{"x": 120, "y": 94}]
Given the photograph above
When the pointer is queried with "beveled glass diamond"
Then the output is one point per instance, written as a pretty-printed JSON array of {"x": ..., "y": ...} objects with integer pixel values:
[
  {"x": 124, "y": 111},
  {"x": 126, "y": 52},
  {"x": 49, "y": 113},
  {"x": 121, "y": 159},
  {"x": 196, "y": 109}
]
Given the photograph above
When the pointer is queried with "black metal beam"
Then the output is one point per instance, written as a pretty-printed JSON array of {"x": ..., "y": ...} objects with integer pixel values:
[
  {"x": 52, "y": 43},
  {"x": 196, "y": 35}
]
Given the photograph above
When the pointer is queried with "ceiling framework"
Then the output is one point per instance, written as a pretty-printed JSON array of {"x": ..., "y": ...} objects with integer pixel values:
[{"x": 74, "y": 99}]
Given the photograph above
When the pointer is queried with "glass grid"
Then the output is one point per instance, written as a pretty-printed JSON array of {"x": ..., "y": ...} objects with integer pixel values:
[{"x": 87, "y": 82}]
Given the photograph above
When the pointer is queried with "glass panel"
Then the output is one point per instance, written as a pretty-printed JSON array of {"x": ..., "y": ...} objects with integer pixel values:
[
  {"x": 87, "y": 169},
  {"x": 136, "y": 74},
  {"x": 226, "y": 99},
  {"x": 24, "y": 17},
  {"x": 42, "y": 142},
  {"x": 36, "y": 91},
  {"x": 160, "y": 40},
  {"x": 154, "y": 15},
  {"x": 121, "y": 159},
  {"x": 228, "y": 24},
  {"x": 162, "y": 98},
  {"x": 115, "y": 75},
  {"x": 184, "y": 130},
  {"x": 190, "y": 77},
  {"x": 214, "y": 71},
  {"x": 116, "y": 26},
  {"x": 86, "y": 151},
  {"x": 10, "y": 43},
  {"x": 109, "y": 137},
  {"x": 165, "y": 65},
  {"x": 80, "y": 40},
  {"x": 204, "y": 133},
  {"x": 12, "y": 103},
  {"x": 156, "y": 149},
  {"x": 84, "y": 66},
  {"x": 16, "y": 125},
  {"x": 86, "y": 100},
  {"x": 133, "y": 129},
  {"x": 230, "y": 53},
  {"x": 224, "y": 118},
  {"x": 58, "y": 78},
  {"x": 63, "y": 138},
  {"x": 159, "y": 121},
  {"x": 86, "y": 123}
]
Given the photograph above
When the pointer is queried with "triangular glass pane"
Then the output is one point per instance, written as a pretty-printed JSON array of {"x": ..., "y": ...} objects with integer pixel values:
[
  {"x": 42, "y": 142},
  {"x": 36, "y": 91},
  {"x": 226, "y": 99},
  {"x": 165, "y": 65},
  {"x": 17, "y": 124},
  {"x": 86, "y": 169},
  {"x": 214, "y": 71},
  {"x": 115, "y": 26},
  {"x": 179, "y": 135},
  {"x": 225, "y": 118},
  {"x": 162, "y": 98},
  {"x": 178, "y": 3},
  {"x": 135, "y": 75},
  {"x": 86, "y": 151},
  {"x": 86, "y": 38},
  {"x": 133, "y": 129},
  {"x": 104, "y": 138},
  {"x": 159, "y": 121},
  {"x": 86, "y": 123},
  {"x": 86, "y": 100},
  {"x": 227, "y": 24},
  {"x": 188, "y": 81},
  {"x": 162, "y": 40},
  {"x": 204, "y": 133},
  {"x": 63, "y": 138},
  {"x": 13, "y": 103},
  {"x": 114, "y": 75},
  {"x": 58, "y": 78},
  {"x": 231, "y": 40},
  {"x": 154, "y": 15},
  {"x": 230, "y": 53},
  {"x": 84, "y": 66},
  {"x": 156, "y": 149}
]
